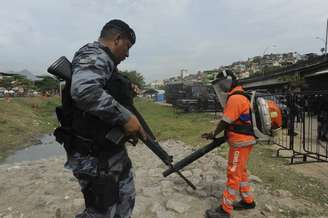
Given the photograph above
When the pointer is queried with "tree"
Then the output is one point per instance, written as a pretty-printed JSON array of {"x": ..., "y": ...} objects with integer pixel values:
[
  {"x": 21, "y": 80},
  {"x": 16, "y": 80},
  {"x": 6, "y": 82},
  {"x": 47, "y": 84},
  {"x": 271, "y": 69},
  {"x": 135, "y": 77}
]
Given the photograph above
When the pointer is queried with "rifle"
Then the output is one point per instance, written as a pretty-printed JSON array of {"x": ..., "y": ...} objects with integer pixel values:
[
  {"x": 62, "y": 69},
  {"x": 153, "y": 145},
  {"x": 217, "y": 142}
]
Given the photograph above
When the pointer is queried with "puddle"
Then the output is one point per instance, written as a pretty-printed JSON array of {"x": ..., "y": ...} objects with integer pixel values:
[{"x": 47, "y": 148}]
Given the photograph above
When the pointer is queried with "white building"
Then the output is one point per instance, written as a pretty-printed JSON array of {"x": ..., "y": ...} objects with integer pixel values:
[{"x": 157, "y": 83}]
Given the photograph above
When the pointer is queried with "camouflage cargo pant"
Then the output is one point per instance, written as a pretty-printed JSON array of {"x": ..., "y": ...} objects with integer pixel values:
[
  {"x": 119, "y": 207},
  {"x": 122, "y": 209}
]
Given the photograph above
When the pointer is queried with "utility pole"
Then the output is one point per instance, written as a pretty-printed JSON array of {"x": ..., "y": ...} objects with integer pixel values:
[
  {"x": 326, "y": 38},
  {"x": 60, "y": 89}
]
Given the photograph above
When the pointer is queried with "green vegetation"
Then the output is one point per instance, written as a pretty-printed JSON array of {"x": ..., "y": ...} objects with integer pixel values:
[
  {"x": 16, "y": 80},
  {"x": 135, "y": 77},
  {"x": 46, "y": 84},
  {"x": 166, "y": 123},
  {"x": 22, "y": 119}
]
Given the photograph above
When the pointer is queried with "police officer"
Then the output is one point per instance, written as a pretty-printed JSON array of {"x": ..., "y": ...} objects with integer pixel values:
[
  {"x": 236, "y": 122},
  {"x": 101, "y": 98}
]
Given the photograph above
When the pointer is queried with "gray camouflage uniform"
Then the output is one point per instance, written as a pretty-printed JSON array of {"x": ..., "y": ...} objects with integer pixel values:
[{"x": 92, "y": 68}]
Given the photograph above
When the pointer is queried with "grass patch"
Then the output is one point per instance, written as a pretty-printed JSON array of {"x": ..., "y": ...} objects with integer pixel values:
[
  {"x": 21, "y": 119},
  {"x": 167, "y": 124},
  {"x": 275, "y": 173}
]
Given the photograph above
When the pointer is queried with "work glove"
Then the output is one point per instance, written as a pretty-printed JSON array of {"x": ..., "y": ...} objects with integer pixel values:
[
  {"x": 209, "y": 135},
  {"x": 134, "y": 128}
]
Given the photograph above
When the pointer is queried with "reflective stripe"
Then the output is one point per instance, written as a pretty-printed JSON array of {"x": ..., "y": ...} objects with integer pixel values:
[
  {"x": 243, "y": 184},
  {"x": 235, "y": 161},
  {"x": 231, "y": 191},
  {"x": 242, "y": 144},
  {"x": 226, "y": 119},
  {"x": 227, "y": 201}
]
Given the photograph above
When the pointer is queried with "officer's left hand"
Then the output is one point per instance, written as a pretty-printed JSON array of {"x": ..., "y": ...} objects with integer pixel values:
[{"x": 133, "y": 128}]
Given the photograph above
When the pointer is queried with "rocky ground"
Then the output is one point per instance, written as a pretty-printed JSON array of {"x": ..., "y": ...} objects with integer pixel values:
[{"x": 42, "y": 189}]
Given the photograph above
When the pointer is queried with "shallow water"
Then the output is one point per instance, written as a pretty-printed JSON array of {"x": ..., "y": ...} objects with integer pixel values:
[{"x": 47, "y": 148}]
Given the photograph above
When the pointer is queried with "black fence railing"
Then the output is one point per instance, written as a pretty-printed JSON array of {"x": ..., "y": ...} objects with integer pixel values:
[{"x": 305, "y": 126}]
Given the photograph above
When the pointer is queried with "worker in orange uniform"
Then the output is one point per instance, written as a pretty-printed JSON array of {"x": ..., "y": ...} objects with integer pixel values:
[{"x": 236, "y": 123}]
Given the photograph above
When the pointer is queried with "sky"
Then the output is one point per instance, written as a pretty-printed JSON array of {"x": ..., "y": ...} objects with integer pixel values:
[{"x": 171, "y": 35}]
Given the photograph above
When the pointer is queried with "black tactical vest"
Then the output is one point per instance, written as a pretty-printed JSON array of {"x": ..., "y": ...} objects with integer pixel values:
[
  {"x": 91, "y": 127},
  {"x": 120, "y": 88}
]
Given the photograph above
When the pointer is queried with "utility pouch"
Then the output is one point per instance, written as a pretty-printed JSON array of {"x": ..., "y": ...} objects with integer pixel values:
[
  {"x": 64, "y": 118},
  {"x": 116, "y": 136},
  {"x": 63, "y": 136},
  {"x": 84, "y": 146},
  {"x": 74, "y": 143},
  {"x": 106, "y": 191},
  {"x": 101, "y": 192},
  {"x": 63, "y": 133}
]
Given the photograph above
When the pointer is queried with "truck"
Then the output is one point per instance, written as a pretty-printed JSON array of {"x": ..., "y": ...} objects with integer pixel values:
[{"x": 192, "y": 97}]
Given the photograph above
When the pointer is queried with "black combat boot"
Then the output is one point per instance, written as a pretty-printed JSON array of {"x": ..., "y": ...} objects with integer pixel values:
[
  {"x": 242, "y": 205},
  {"x": 217, "y": 213}
]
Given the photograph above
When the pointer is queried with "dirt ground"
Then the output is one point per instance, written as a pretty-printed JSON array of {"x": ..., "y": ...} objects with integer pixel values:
[
  {"x": 43, "y": 189},
  {"x": 311, "y": 167},
  {"x": 315, "y": 170}
]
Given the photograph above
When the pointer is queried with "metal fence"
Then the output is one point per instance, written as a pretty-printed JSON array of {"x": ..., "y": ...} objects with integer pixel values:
[{"x": 305, "y": 126}]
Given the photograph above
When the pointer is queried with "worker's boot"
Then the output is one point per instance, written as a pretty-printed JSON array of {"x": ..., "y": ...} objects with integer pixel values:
[
  {"x": 216, "y": 213},
  {"x": 242, "y": 205}
]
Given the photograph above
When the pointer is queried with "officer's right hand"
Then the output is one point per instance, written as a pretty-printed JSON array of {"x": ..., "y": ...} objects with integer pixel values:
[{"x": 133, "y": 127}]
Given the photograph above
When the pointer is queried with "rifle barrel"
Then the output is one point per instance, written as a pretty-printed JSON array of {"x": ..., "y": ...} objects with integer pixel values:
[
  {"x": 194, "y": 156},
  {"x": 165, "y": 157},
  {"x": 186, "y": 180}
]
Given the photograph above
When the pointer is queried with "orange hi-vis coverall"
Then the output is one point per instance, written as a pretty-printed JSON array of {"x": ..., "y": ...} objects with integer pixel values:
[{"x": 235, "y": 111}]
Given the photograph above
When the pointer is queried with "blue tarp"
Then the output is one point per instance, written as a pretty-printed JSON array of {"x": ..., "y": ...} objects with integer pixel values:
[{"x": 160, "y": 97}]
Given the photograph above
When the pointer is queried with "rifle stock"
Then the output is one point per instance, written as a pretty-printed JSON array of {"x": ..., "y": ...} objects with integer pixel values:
[{"x": 62, "y": 69}]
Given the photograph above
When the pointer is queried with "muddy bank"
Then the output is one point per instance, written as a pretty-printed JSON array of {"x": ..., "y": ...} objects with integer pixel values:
[{"x": 23, "y": 120}]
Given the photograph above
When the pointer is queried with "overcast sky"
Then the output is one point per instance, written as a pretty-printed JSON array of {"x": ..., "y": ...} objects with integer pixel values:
[{"x": 171, "y": 34}]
